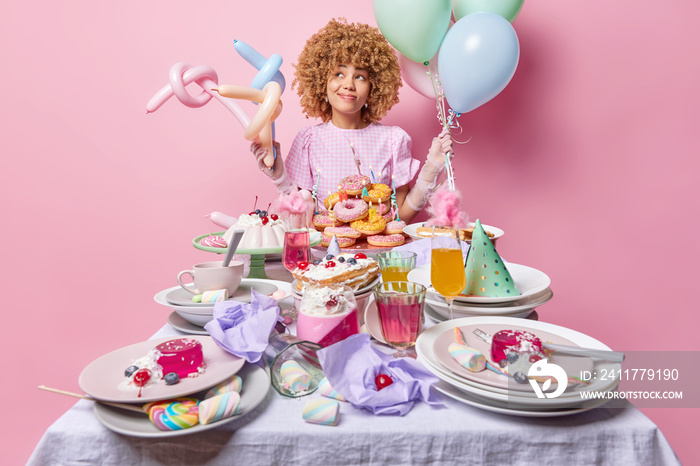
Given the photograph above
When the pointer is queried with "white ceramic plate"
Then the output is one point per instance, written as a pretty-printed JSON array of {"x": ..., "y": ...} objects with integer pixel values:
[
  {"x": 529, "y": 281},
  {"x": 512, "y": 309},
  {"x": 500, "y": 408},
  {"x": 374, "y": 326},
  {"x": 184, "y": 326},
  {"x": 363, "y": 290},
  {"x": 425, "y": 342},
  {"x": 514, "y": 400},
  {"x": 411, "y": 230},
  {"x": 178, "y": 296},
  {"x": 102, "y": 377},
  {"x": 573, "y": 365},
  {"x": 201, "y": 319},
  {"x": 256, "y": 383},
  {"x": 440, "y": 315}
]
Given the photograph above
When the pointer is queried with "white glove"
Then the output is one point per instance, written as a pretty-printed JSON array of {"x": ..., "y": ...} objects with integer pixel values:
[
  {"x": 430, "y": 173},
  {"x": 277, "y": 173}
]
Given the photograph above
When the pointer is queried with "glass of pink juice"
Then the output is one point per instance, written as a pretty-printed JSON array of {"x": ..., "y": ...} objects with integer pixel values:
[
  {"x": 400, "y": 307},
  {"x": 296, "y": 248}
]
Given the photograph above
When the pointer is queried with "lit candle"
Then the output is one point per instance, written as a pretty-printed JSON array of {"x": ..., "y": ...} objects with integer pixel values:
[
  {"x": 393, "y": 198},
  {"x": 314, "y": 194}
]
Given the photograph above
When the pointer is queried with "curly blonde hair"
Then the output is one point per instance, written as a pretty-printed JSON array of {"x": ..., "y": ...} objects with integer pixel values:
[{"x": 341, "y": 43}]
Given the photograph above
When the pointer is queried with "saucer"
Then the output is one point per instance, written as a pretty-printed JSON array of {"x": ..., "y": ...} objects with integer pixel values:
[
  {"x": 177, "y": 295},
  {"x": 180, "y": 323}
]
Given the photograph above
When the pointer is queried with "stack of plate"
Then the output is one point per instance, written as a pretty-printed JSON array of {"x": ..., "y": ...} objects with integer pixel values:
[
  {"x": 499, "y": 393},
  {"x": 533, "y": 285},
  {"x": 190, "y": 317},
  {"x": 102, "y": 380}
]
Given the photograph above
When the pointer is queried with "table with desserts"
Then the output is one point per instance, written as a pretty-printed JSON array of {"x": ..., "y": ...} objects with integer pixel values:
[{"x": 273, "y": 432}]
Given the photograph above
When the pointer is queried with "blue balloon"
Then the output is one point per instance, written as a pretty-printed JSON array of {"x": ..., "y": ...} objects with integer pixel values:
[
  {"x": 268, "y": 70},
  {"x": 477, "y": 60}
]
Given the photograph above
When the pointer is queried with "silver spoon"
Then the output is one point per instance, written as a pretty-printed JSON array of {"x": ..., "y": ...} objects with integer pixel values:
[{"x": 237, "y": 235}]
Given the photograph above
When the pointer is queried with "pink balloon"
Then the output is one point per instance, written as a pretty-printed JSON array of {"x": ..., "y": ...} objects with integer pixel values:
[{"x": 416, "y": 74}]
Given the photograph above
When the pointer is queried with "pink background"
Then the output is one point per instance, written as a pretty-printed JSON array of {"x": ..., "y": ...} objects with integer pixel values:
[{"x": 586, "y": 161}]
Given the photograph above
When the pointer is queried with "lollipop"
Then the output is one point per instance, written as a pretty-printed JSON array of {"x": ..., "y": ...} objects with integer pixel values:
[{"x": 176, "y": 414}]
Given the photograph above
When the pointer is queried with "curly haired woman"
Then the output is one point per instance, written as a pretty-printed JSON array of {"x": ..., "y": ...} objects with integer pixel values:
[{"x": 348, "y": 76}]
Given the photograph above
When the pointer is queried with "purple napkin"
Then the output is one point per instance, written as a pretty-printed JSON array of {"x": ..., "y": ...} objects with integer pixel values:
[
  {"x": 352, "y": 365},
  {"x": 422, "y": 249},
  {"x": 244, "y": 329}
]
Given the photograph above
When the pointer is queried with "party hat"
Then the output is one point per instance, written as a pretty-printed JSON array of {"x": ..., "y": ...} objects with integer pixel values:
[
  {"x": 334, "y": 247},
  {"x": 487, "y": 274}
]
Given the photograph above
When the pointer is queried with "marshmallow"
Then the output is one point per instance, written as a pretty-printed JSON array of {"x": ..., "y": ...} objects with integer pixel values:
[
  {"x": 469, "y": 358},
  {"x": 213, "y": 296},
  {"x": 177, "y": 414},
  {"x": 294, "y": 377},
  {"x": 322, "y": 412},
  {"x": 219, "y": 407},
  {"x": 325, "y": 389},
  {"x": 231, "y": 385}
]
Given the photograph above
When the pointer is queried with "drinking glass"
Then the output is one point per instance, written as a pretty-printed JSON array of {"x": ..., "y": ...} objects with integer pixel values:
[
  {"x": 395, "y": 265},
  {"x": 400, "y": 307},
  {"x": 297, "y": 247},
  {"x": 447, "y": 273}
]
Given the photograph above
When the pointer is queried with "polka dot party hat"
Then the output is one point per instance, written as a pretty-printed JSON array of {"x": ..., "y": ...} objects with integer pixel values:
[{"x": 487, "y": 275}]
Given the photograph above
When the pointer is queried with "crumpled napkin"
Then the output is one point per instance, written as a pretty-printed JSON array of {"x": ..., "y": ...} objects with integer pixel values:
[
  {"x": 352, "y": 365},
  {"x": 422, "y": 248},
  {"x": 243, "y": 329}
]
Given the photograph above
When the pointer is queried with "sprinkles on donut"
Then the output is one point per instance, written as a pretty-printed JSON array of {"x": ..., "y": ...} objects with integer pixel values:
[{"x": 350, "y": 210}]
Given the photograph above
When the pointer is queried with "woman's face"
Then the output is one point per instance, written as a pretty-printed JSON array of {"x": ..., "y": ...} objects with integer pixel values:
[{"x": 347, "y": 90}]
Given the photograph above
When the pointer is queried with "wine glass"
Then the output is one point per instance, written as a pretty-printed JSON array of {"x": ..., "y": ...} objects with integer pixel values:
[
  {"x": 297, "y": 247},
  {"x": 447, "y": 273},
  {"x": 400, "y": 306}
]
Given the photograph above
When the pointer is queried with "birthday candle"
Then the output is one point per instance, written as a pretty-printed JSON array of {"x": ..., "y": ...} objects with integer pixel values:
[
  {"x": 314, "y": 194},
  {"x": 393, "y": 197},
  {"x": 372, "y": 173}
]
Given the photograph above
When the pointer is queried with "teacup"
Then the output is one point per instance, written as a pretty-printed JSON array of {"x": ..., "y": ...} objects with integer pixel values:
[{"x": 209, "y": 276}]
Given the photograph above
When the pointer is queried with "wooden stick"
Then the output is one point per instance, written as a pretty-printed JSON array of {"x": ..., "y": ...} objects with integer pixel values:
[{"x": 128, "y": 407}]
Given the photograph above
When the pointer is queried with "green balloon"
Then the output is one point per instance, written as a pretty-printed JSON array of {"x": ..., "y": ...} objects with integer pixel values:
[
  {"x": 414, "y": 27},
  {"x": 509, "y": 9}
]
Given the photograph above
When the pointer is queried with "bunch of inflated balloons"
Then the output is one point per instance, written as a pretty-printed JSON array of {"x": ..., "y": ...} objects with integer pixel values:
[{"x": 476, "y": 56}]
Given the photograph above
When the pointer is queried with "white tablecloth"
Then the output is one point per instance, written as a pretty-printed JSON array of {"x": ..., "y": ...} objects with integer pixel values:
[{"x": 459, "y": 434}]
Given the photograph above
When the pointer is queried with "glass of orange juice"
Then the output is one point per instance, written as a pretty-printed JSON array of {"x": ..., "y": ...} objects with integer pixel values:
[
  {"x": 395, "y": 265},
  {"x": 447, "y": 273}
]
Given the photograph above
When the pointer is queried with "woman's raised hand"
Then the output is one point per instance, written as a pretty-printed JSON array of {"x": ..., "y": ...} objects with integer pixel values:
[
  {"x": 442, "y": 144},
  {"x": 277, "y": 173}
]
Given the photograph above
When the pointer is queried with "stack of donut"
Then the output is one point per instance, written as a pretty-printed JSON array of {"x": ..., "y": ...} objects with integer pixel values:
[{"x": 352, "y": 218}]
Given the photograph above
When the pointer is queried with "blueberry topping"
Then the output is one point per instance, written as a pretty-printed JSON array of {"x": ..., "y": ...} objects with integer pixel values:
[
  {"x": 263, "y": 213},
  {"x": 130, "y": 370},
  {"x": 171, "y": 378},
  {"x": 341, "y": 259},
  {"x": 352, "y": 261},
  {"x": 317, "y": 261},
  {"x": 503, "y": 362},
  {"x": 512, "y": 357},
  {"x": 329, "y": 257},
  {"x": 520, "y": 377},
  {"x": 257, "y": 211}
]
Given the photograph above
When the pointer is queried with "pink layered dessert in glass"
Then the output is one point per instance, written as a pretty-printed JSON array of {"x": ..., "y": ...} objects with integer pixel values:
[{"x": 327, "y": 314}]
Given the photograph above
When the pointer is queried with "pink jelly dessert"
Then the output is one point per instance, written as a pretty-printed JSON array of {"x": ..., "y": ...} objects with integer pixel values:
[
  {"x": 326, "y": 315},
  {"x": 182, "y": 356},
  {"x": 515, "y": 343}
]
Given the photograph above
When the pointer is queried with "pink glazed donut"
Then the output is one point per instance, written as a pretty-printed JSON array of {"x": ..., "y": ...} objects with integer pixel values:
[
  {"x": 351, "y": 210},
  {"x": 353, "y": 184}
]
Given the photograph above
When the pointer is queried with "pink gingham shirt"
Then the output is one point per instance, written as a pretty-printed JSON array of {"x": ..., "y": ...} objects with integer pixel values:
[{"x": 386, "y": 148}]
